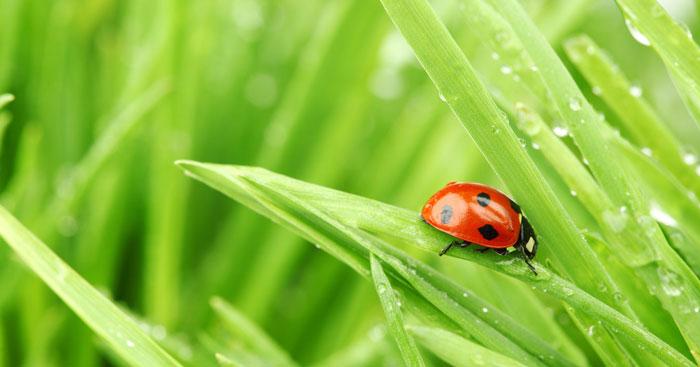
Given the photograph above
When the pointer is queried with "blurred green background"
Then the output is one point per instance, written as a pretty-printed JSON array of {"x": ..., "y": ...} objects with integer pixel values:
[{"x": 108, "y": 94}]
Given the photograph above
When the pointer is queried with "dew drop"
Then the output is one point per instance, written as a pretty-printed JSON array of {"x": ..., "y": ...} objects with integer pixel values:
[
  {"x": 657, "y": 213},
  {"x": 574, "y": 104},
  {"x": 573, "y": 193},
  {"x": 560, "y": 131},
  {"x": 495, "y": 56},
  {"x": 617, "y": 221},
  {"x": 586, "y": 162},
  {"x": 442, "y": 97},
  {"x": 636, "y": 34},
  {"x": 636, "y": 91},
  {"x": 130, "y": 344},
  {"x": 506, "y": 69},
  {"x": 591, "y": 330},
  {"x": 646, "y": 151},
  {"x": 670, "y": 282},
  {"x": 534, "y": 68},
  {"x": 690, "y": 158},
  {"x": 465, "y": 294},
  {"x": 485, "y": 310},
  {"x": 535, "y": 146},
  {"x": 596, "y": 90},
  {"x": 568, "y": 291}
]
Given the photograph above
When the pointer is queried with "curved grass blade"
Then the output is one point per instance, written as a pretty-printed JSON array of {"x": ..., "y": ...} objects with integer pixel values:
[
  {"x": 493, "y": 328},
  {"x": 404, "y": 226},
  {"x": 458, "y": 351},
  {"x": 651, "y": 25},
  {"x": 250, "y": 334},
  {"x": 390, "y": 304},
  {"x": 123, "y": 335},
  {"x": 637, "y": 116}
]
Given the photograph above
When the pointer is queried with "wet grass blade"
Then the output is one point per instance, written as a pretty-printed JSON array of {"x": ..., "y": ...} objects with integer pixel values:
[
  {"x": 123, "y": 335},
  {"x": 651, "y": 25},
  {"x": 458, "y": 351},
  {"x": 391, "y": 306},
  {"x": 249, "y": 186}
]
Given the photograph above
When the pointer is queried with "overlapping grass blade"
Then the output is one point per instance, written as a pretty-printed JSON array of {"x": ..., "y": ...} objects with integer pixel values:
[
  {"x": 122, "y": 334},
  {"x": 391, "y": 306},
  {"x": 651, "y": 25},
  {"x": 638, "y": 117},
  {"x": 247, "y": 332},
  {"x": 458, "y": 351},
  {"x": 248, "y": 185}
]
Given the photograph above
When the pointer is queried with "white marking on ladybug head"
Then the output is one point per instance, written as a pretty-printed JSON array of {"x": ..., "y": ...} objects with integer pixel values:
[{"x": 530, "y": 245}]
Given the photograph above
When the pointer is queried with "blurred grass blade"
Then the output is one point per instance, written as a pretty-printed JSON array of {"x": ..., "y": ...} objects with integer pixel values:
[
  {"x": 250, "y": 334},
  {"x": 404, "y": 226},
  {"x": 391, "y": 306},
  {"x": 457, "y": 351},
  {"x": 651, "y": 25},
  {"x": 123, "y": 335}
]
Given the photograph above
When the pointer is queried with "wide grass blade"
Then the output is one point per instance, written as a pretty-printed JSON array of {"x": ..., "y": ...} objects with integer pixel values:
[
  {"x": 122, "y": 334},
  {"x": 250, "y": 186},
  {"x": 391, "y": 306}
]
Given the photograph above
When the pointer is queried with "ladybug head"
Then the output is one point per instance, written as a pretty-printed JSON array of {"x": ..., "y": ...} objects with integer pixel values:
[{"x": 528, "y": 240}]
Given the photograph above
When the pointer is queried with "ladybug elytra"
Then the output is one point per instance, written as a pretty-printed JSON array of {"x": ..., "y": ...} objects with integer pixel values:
[{"x": 477, "y": 214}]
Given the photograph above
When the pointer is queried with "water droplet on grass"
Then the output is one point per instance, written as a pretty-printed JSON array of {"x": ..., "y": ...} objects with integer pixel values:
[
  {"x": 560, "y": 131},
  {"x": 670, "y": 282},
  {"x": 636, "y": 34},
  {"x": 657, "y": 213},
  {"x": 596, "y": 90},
  {"x": 647, "y": 151},
  {"x": 636, "y": 91},
  {"x": 506, "y": 69},
  {"x": 485, "y": 310},
  {"x": 573, "y": 193},
  {"x": 574, "y": 104}
]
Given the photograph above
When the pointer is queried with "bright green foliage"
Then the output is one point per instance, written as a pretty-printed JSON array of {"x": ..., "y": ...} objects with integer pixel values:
[{"x": 581, "y": 110}]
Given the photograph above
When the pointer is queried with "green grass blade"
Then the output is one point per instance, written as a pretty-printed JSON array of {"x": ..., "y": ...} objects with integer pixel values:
[
  {"x": 251, "y": 334},
  {"x": 491, "y": 328},
  {"x": 391, "y": 306},
  {"x": 5, "y": 99},
  {"x": 404, "y": 226},
  {"x": 458, "y": 351},
  {"x": 651, "y": 25},
  {"x": 123, "y": 335},
  {"x": 637, "y": 116}
]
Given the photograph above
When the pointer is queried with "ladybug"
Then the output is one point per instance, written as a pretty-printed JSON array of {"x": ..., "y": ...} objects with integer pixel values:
[{"x": 477, "y": 214}]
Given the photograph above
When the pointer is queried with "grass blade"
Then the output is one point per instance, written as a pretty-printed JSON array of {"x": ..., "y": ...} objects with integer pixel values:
[
  {"x": 637, "y": 116},
  {"x": 458, "y": 351},
  {"x": 403, "y": 226},
  {"x": 651, "y": 25},
  {"x": 122, "y": 334},
  {"x": 409, "y": 352},
  {"x": 251, "y": 334}
]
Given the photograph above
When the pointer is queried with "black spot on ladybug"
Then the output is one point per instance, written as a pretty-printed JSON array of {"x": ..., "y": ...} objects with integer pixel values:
[
  {"x": 515, "y": 206},
  {"x": 483, "y": 199},
  {"x": 488, "y": 232},
  {"x": 446, "y": 214}
]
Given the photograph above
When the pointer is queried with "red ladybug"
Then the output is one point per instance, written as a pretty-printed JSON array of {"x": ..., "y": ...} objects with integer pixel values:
[{"x": 481, "y": 215}]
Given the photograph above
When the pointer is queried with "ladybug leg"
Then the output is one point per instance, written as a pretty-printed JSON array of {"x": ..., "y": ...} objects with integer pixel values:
[
  {"x": 461, "y": 244},
  {"x": 448, "y": 247},
  {"x": 482, "y": 250},
  {"x": 501, "y": 251},
  {"x": 521, "y": 248}
]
